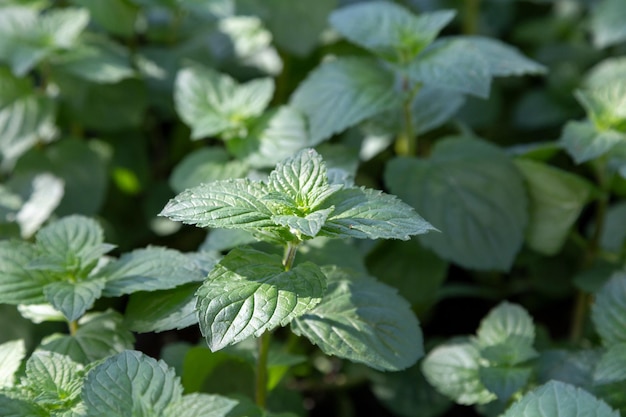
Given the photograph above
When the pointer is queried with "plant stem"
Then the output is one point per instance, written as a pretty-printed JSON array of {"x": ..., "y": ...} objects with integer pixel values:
[
  {"x": 261, "y": 370},
  {"x": 73, "y": 325},
  {"x": 471, "y": 16},
  {"x": 406, "y": 143},
  {"x": 290, "y": 255}
]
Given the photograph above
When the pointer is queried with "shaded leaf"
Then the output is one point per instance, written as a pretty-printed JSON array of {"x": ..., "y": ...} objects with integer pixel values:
[
  {"x": 18, "y": 283},
  {"x": 612, "y": 365},
  {"x": 609, "y": 310},
  {"x": 73, "y": 299}
]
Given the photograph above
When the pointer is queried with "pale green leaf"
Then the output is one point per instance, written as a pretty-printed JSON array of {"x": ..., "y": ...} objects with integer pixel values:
[
  {"x": 364, "y": 321},
  {"x": 276, "y": 135},
  {"x": 471, "y": 191},
  {"x": 26, "y": 117},
  {"x": 99, "y": 335},
  {"x": 607, "y": 23},
  {"x": 55, "y": 378},
  {"x": 149, "y": 269},
  {"x": 343, "y": 92},
  {"x": 504, "y": 381},
  {"x": 70, "y": 245},
  {"x": 609, "y": 310},
  {"x": 13, "y": 407},
  {"x": 389, "y": 29},
  {"x": 18, "y": 283},
  {"x": 370, "y": 214},
  {"x": 46, "y": 192},
  {"x": 556, "y": 199},
  {"x": 612, "y": 365},
  {"x": 507, "y": 325},
  {"x": 213, "y": 103},
  {"x": 11, "y": 355},
  {"x": 221, "y": 204},
  {"x": 468, "y": 64},
  {"x": 205, "y": 165},
  {"x": 249, "y": 292},
  {"x": 603, "y": 94},
  {"x": 130, "y": 384},
  {"x": 23, "y": 52},
  {"x": 454, "y": 369},
  {"x": 73, "y": 299},
  {"x": 194, "y": 405},
  {"x": 40, "y": 313},
  {"x": 62, "y": 27},
  {"x": 159, "y": 311},
  {"x": 557, "y": 399},
  {"x": 118, "y": 17},
  {"x": 583, "y": 142}
]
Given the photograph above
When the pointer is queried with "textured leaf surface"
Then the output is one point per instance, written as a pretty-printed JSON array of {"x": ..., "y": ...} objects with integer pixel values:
[
  {"x": 130, "y": 384},
  {"x": 389, "y": 29},
  {"x": 249, "y": 292},
  {"x": 504, "y": 381},
  {"x": 342, "y": 93},
  {"x": 213, "y": 103},
  {"x": 583, "y": 142},
  {"x": 612, "y": 365},
  {"x": 99, "y": 335},
  {"x": 607, "y": 23},
  {"x": 609, "y": 310},
  {"x": 162, "y": 310},
  {"x": 221, "y": 204},
  {"x": 149, "y": 269},
  {"x": 557, "y": 399},
  {"x": 507, "y": 326},
  {"x": 11, "y": 355},
  {"x": 13, "y": 407},
  {"x": 73, "y": 299},
  {"x": 556, "y": 199},
  {"x": 18, "y": 283},
  {"x": 473, "y": 194},
  {"x": 364, "y": 321},
  {"x": 468, "y": 63},
  {"x": 454, "y": 369},
  {"x": 194, "y": 405},
  {"x": 55, "y": 378}
]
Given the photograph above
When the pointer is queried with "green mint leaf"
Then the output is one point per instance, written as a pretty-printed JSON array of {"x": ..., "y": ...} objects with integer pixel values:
[
  {"x": 14, "y": 407},
  {"x": 130, "y": 384},
  {"x": 556, "y": 199},
  {"x": 607, "y": 19},
  {"x": 506, "y": 335},
  {"x": 559, "y": 399},
  {"x": 70, "y": 246},
  {"x": 614, "y": 231},
  {"x": 224, "y": 239},
  {"x": 115, "y": 16},
  {"x": 46, "y": 192},
  {"x": 205, "y": 165},
  {"x": 26, "y": 117},
  {"x": 343, "y": 92},
  {"x": 276, "y": 135},
  {"x": 11, "y": 355},
  {"x": 18, "y": 283},
  {"x": 99, "y": 335},
  {"x": 221, "y": 204},
  {"x": 73, "y": 299},
  {"x": 468, "y": 63},
  {"x": 364, "y": 321},
  {"x": 159, "y": 311},
  {"x": 504, "y": 381},
  {"x": 194, "y": 405},
  {"x": 454, "y": 369},
  {"x": 609, "y": 310},
  {"x": 55, "y": 378},
  {"x": 213, "y": 103},
  {"x": 583, "y": 142},
  {"x": 149, "y": 269},
  {"x": 603, "y": 95},
  {"x": 473, "y": 193},
  {"x": 574, "y": 367},
  {"x": 612, "y": 365},
  {"x": 309, "y": 225},
  {"x": 370, "y": 214},
  {"x": 249, "y": 292},
  {"x": 389, "y": 29}
]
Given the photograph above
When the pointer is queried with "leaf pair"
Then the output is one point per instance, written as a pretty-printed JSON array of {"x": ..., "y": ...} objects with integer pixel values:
[{"x": 296, "y": 203}]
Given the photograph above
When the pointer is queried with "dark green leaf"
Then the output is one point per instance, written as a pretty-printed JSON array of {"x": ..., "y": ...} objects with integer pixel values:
[
  {"x": 342, "y": 93},
  {"x": 18, "y": 283},
  {"x": 609, "y": 310},
  {"x": 614, "y": 230},
  {"x": 250, "y": 292},
  {"x": 364, "y": 321},
  {"x": 557, "y": 399},
  {"x": 116, "y": 16},
  {"x": 472, "y": 192},
  {"x": 73, "y": 299},
  {"x": 612, "y": 365},
  {"x": 504, "y": 381},
  {"x": 13, "y": 407}
]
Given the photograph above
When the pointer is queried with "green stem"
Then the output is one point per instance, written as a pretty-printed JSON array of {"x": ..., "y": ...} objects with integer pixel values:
[
  {"x": 407, "y": 143},
  {"x": 290, "y": 255},
  {"x": 73, "y": 325},
  {"x": 261, "y": 370},
  {"x": 471, "y": 16}
]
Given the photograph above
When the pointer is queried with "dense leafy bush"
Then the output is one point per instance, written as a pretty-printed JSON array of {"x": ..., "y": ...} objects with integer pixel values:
[{"x": 310, "y": 202}]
